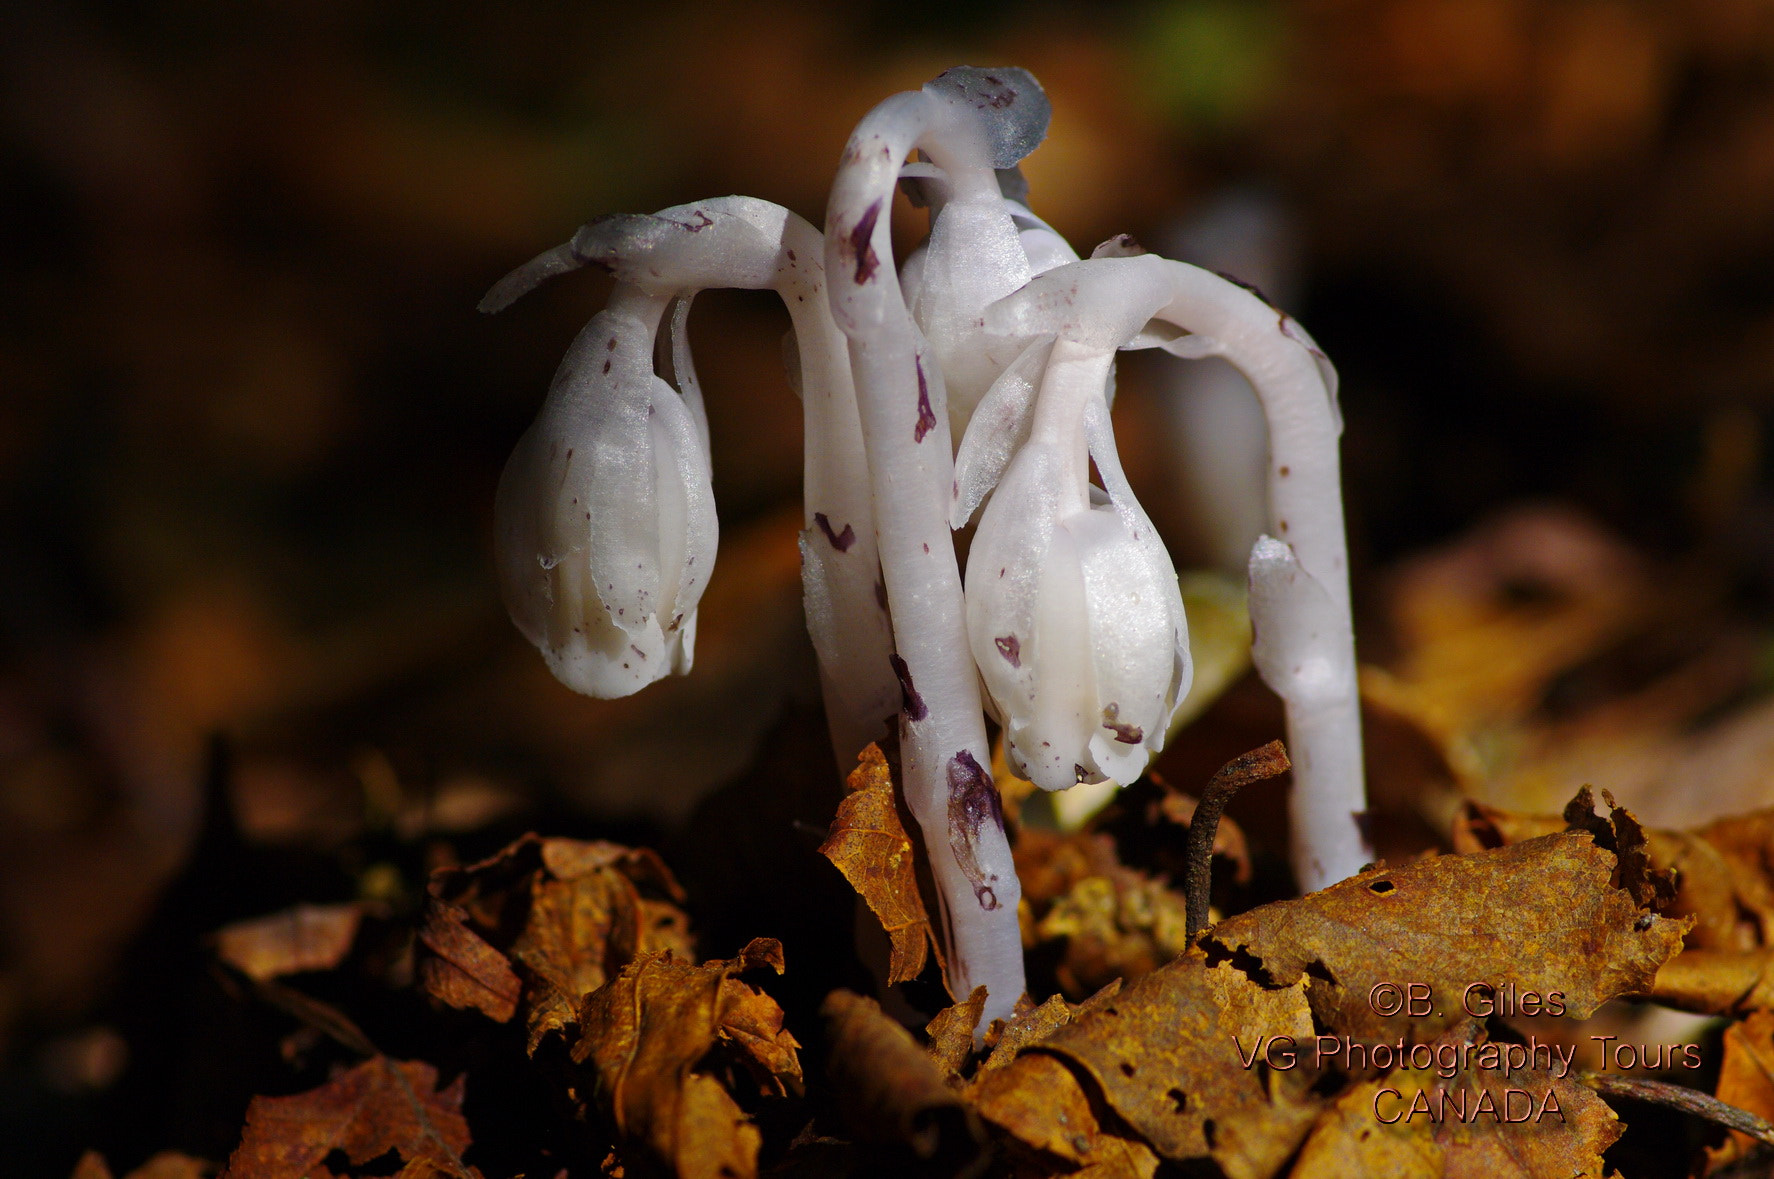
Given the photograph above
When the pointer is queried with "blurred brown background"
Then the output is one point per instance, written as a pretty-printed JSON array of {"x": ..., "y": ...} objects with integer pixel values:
[{"x": 250, "y": 423}]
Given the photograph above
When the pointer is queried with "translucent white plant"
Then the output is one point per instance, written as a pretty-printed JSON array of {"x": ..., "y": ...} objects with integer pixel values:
[{"x": 994, "y": 332}]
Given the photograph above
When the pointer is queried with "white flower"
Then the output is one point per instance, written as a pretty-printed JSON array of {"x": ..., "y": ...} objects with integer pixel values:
[
  {"x": 1073, "y": 611},
  {"x": 605, "y": 514}
]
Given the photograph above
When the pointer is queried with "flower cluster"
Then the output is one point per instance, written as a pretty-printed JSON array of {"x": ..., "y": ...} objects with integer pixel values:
[{"x": 970, "y": 386}]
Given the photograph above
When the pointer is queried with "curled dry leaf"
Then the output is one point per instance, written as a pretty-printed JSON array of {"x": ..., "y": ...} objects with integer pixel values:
[
  {"x": 1543, "y": 915},
  {"x": 1746, "y": 1080},
  {"x": 952, "y": 1030},
  {"x": 298, "y": 939},
  {"x": 381, "y": 1105},
  {"x": 460, "y": 968},
  {"x": 646, "y": 1032},
  {"x": 544, "y": 922},
  {"x": 869, "y": 845},
  {"x": 1724, "y": 872},
  {"x": 1027, "y": 1028},
  {"x": 1525, "y": 1124},
  {"x": 888, "y": 1089}
]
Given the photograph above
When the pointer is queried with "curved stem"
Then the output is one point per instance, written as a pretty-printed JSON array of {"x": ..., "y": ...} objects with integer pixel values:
[
  {"x": 905, "y": 426},
  {"x": 1305, "y": 644}
]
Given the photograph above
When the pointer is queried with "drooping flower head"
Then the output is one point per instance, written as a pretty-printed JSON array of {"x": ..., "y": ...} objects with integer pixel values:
[
  {"x": 1073, "y": 611},
  {"x": 605, "y": 519}
]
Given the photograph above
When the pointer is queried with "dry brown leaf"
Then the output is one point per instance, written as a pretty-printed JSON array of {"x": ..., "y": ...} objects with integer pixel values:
[
  {"x": 646, "y": 1030},
  {"x": 1717, "y": 982},
  {"x": 1165, "y": 1055},
  {"x": 1475, "y": 1124},
  {"x": 1540, "y": 915},
  {"x": 461, "y": 969},
  {"x": 1723, "y": 872},
  {"x": 951, "y": 1032},
  {"x": 298, "y": 939},
  {"x": 1746, "y": 1080},
  {"x": 1120, "y": 1158},
  {"x": 887, "y": 1088},
  {"x": 1027, "y": 1028},
  {"x": 566, "y": 913},
  {"x": 588, "y": 919},
  {"x": 869, "y": 845},
  {"x": 379, "y": 1106},
  {"x": 1037, "y": 1100}
]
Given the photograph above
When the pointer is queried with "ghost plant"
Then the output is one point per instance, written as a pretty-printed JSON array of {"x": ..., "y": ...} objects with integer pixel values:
[{"x": 973, "y": 382}]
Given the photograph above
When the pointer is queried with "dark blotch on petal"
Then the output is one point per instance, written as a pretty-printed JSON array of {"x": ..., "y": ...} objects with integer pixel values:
[
  {"x": 973, "y": 800},
  {"x": 840, "y": 540},
  {"x": 1011, "y": 649},
  {"x": 910, "y": 701},
  {"x": 1124, "y": 733}
]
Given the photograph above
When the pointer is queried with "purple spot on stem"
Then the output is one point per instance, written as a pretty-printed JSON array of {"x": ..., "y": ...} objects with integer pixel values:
[
  {"x": 840, "y": 540},
  {"x": 909, "y": 700},
  {"x": 639, "y": 654},
  {"x": 606, "y": 366},
  {"x": 926, "y": 417},
  {"x": 973, "y": 800},
  {"x": 1011, "y": 649},
  {"x": 862, "y": 244}
]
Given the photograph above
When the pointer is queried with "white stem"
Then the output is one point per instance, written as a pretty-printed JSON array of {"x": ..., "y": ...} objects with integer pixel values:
[
  {"x": 945, "y": 758},
  {"x": 1305, "y": 648}
]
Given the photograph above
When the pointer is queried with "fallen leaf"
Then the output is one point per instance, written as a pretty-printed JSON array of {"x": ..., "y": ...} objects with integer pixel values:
[
  {"x": 1746, "y": 1080},
  {"x": 1542, "y": 915},
  {"x": 588, "y": 919},
  {"x": 646, "y": 1031},
  {"x": 888, "y": 1090},
  {"x": 462, "y": 969},
  {"x": 298, "y": 939},
  {"x": 869, "y": 845},
  {"x": 1477, "y": 1122},
  {"x": 1027, "y": 1028},
  {"x": 1037, "y": 1100},
  {"x": 952, "y": 1031},
  {"x": 1723, "y": 872},
  {"x": 379, "y": 1106},
  {"x": 1165, "y": 1054},
  {"x": 1716, "y": 982},
  {"x": 543, "y": 923}
]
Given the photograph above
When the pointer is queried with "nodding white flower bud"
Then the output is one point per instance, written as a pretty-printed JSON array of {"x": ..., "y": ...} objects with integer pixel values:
[
  {"x": 1073, "y": 611},
  {"x": 605, "y": 513}
]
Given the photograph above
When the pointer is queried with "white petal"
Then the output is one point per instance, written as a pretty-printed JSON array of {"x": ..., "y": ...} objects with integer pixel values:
[
  {"x": 998, "y": 429},
  {"x": 1156, "y": 558}
]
